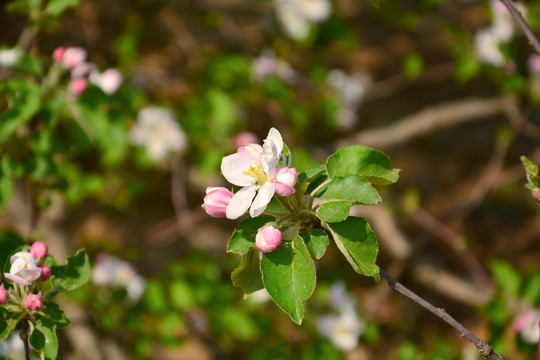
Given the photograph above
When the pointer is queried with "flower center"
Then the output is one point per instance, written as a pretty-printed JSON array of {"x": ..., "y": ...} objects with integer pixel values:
[{"x": 256, "y": 171}]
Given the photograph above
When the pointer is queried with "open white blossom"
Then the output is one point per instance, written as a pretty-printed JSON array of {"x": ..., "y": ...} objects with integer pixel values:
[
  {"x": 112, "y": 271},
  {"x": 109, "y": 81},
  {"x": 8, "y": 57},
  {"x": 351, "y": 91},
  {"x": 267, "y": 64},
  {"x": 297, "y": 16},
  {"x": 487, "y": 48},
  {"x": 160, "y": 134},
  {"x": 12, "y": 348}
]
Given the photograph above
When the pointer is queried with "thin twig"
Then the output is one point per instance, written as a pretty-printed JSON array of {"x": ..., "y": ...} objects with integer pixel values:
[
  {"x": 24, "y": 338},
  {"x": 485, "y": 349},
  {"x": 533, "y": 40}
]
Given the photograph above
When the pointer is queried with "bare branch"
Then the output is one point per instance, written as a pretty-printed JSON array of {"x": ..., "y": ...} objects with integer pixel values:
[
  {"x": 485, "y": 349},
  {"x": 533, "y": 40}
]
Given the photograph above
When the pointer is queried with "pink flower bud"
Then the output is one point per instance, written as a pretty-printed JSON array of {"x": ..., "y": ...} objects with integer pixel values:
[
  {"x": 39, "y": 250},
  {"x": 33, "y": 302},
  {"x": 58, "y": 53},
  {"x": 216, "y": 201},
  {"x": 4, "y": 295},
  {"x": 268, "y": 239},
  {"x": 78, "y": 86},
  {"x": 244, "y": 138},
  {"x": 284, "y": 180},
  {"x": 45, "y": 272},
  {"x": 533, "y": 63},
  {"x": 74, "y": 56}
]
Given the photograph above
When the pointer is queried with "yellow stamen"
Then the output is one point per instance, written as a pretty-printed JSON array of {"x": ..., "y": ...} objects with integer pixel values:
[{"x": 257, "y": 173}]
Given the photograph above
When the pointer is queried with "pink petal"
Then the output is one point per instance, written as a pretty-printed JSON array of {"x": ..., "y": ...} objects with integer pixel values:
[
  {"x": 17, "y": 279},
  {"x": 31, "y": 274},
  {"x": 240, "y": 202},
  {"x": 262, "y": 199},
  {"x": 233, "y": 167}
]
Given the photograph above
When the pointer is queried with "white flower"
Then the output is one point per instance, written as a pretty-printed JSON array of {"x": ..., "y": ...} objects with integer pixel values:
[
  {"x": 526, "y": 324},
  {"x": 12, "y": 348},
  {"x": 297, "y": 16},
  {"x": 267, "y": 64},
  {"x": 349, "y": 88},
  {"x": 158, "y": 131},
  {"x": 109, "y": 81},
  {"x": 342, "y": 329},
  {"x": 8, "y": 57},
  {"x": 487, "y": 47},
  {"x": 252, "y": 167},
  {"x": 23, "y": 268}
]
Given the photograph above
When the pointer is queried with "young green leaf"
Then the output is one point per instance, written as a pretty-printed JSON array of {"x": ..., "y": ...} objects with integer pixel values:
[
  {"x": 316, "y": 241},
  {"x": 8, "y": 323},
  {"x": 289, "y": 276},
  {"x": 247, "y": 276},
  {"x": 52, "y": 312},
  {"x": 43, "y": 339},
  {"x": 359, "y": 160},
  {"x": 75, "y": 273},
  {"x": 25, "y": 105},
  {"x": 243, "y": 237},
  {"x": 334, "y": 210},
  {"x": 352, "y": 188},
  {"x": 355, "y": 239}
]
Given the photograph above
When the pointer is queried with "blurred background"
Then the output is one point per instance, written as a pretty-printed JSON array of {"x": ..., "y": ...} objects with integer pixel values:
[{"x": 118, "y": 163}]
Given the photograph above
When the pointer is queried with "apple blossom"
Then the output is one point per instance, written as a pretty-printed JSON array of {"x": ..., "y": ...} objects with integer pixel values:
[
  {"x": 73, "y": 56},
  {"x": 78, "y": 86},
  {"x": 158, "y": 131},
  {"x": 45, "y": 272},
  {"x": 109, "y": 81},
  {"x": 39, "y": 250},
  {"x": 216, "y": 201},
  {"x": 526, "y": 323},
  {"x": 8, "y": 57},
  {"x": 342, "y": 329},
  {"x": 268, "y": 239},
  {"x": 244, "y": 138},
  {"x": 33, "y": 302},
  {"x": 252, "y": 167},
  {"x": 297, "y": 16},
  {"x": 23, "y": 268},
  {"x": 4, "y": 295},
  {"x": 58, "y": 53},
  {"x": 284, "y": 180}
]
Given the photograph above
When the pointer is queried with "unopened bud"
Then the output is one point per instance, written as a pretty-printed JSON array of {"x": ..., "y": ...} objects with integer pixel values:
[
  {"x": 78, "y": 86},
  {"x": 268, "y": 239},
  {"x": 45, "y": 272},
  {"x": 216, "y": 201},
  {"x": 4, "y": 295},
  {"x": 33, "y": 302},
  {"x": 39, "y": 250},
  {"x": 284, "y": 180}
]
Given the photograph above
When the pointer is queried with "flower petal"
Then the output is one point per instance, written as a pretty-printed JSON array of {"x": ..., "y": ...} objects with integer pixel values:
[
  {"x": 31, "y": 274},
  {"x": 240, "y": 202},
  {"x": 262, "y": 200},
  {"x": 17, "y": 279},
  {"x": 233, "y": 167},
  {"x": 272, "y": 148}
]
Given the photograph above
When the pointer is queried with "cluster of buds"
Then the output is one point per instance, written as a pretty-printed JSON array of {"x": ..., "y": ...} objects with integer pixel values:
[
  {"x": 83, "y": 72},
  {"x": 27, "y": 272},
  {"x": 254, "y": 168}
]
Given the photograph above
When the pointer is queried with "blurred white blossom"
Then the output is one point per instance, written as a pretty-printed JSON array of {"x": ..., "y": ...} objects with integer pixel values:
[
  {"x": 526, "y": 323},
  {"x": 502, "y": 30},
  {"x": 350, "y": 90},
  {"x": 343, "y": 327},
  {"x": 8, "y": 57},
  {"x": 12, "y": 348},
  {"x": 160, "y": 134},
  {"x": 267, "y": 64},
  {"x": 297, "y": 16},
  {"x": 109, "y": 81},
  {"x": 117, "y": 273}
]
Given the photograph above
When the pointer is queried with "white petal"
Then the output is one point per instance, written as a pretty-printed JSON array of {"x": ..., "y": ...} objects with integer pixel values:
[
  {"x": 262, "y": 200},
  {"x": 233, "y": 167},
  {"x": 240, "y": 202},
  {"x": 272, "y": 148}
]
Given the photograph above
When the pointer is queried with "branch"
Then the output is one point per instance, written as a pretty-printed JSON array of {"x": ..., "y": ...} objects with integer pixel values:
[
  {"x": 429, "y": 120},
  {"x": 485, "y": 349},
  {"x": 533, "y": 40}
]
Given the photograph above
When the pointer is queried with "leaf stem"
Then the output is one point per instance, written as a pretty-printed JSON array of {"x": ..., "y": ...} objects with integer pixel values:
[
  {"x": 485, "y": 349},
  {"x": 323, "y": 184}
]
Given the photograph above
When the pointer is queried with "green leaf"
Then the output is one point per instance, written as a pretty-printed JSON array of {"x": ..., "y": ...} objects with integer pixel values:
[
  {"x": 55, "y": 8},
  {"x": 23, "y": 6},
  {"x": 75, "y": 273},
  {"x": 375, "y": 3},
  {"x": 8, "y": 323},
  {"x": 52, "y": 312},
  {"x": 355, "y": 239},
  {"x": 506, "y": 276},
  {"x": 8, "y": 244},
  {"x": 334, "y": 210},
  {"x": 316, "y": 241},
  {"x": 352, "y": 188},
  {"x": 243, "y": 237},
  {"x": 532, "y": 172},
  {"x": 181, "y": 295},
  {"x": 43, "y": 339},
  {"x": 289, "y": 276},
  {"x": 26, "y": 104},
  {"x": 247, "y": 276},
  {"x": 359, "y": 160}
]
